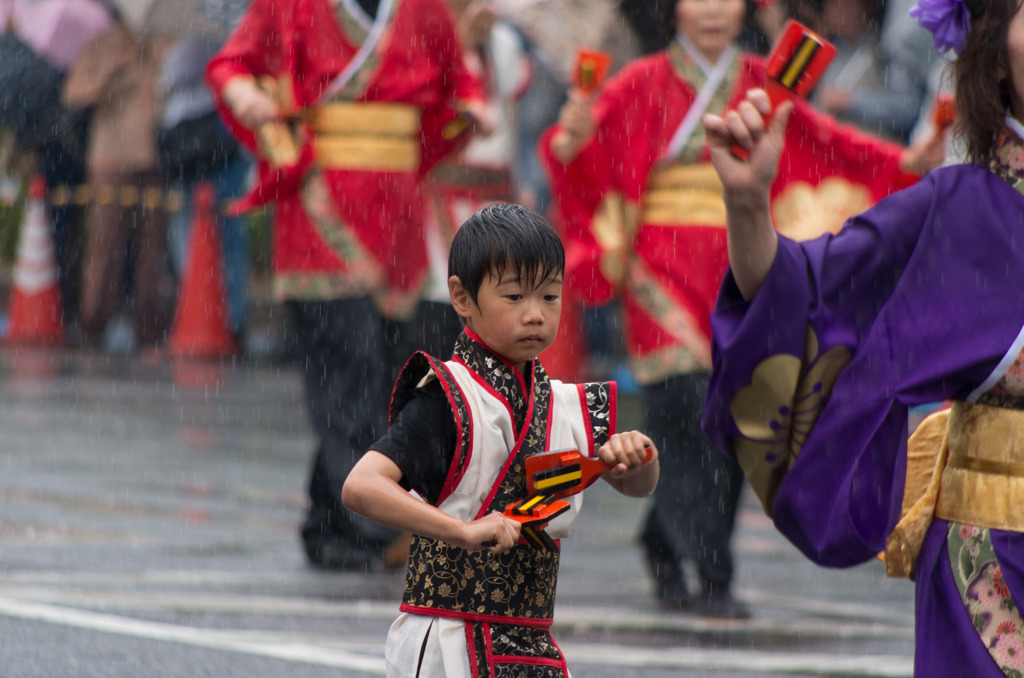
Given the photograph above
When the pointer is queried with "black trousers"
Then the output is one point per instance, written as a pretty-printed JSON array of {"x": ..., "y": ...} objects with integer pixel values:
[
  {"x": 350, "y": 357},
  {"x": 694, "y": 508}
]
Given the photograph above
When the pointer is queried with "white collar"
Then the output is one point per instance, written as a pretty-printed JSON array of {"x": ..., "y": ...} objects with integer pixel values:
[
  {"x": 1015, "y": 125},
  {"x": 705, "y": 66},
  {"x": 359, "y": 14}
]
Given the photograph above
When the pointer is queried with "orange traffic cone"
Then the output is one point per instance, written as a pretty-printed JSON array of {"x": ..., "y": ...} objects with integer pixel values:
[
  {"x": 35, "y": 312},
  {"x": 201, "y": 321},
  {"x": 564, "y": 358}
]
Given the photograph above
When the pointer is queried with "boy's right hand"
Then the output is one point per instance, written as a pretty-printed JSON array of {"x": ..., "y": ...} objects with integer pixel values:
[{"x": 494, "y": 531}]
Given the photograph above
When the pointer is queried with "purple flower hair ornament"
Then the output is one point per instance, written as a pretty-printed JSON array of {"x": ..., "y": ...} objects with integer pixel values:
[{"x": 949, "y": 21}]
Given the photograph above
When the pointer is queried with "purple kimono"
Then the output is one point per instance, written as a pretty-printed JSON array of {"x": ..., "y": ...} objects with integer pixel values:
[{"x": 918, "y": 300}]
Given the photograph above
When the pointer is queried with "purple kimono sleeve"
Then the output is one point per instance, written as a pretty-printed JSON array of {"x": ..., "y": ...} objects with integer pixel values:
[{"x": 812, "y": 378}]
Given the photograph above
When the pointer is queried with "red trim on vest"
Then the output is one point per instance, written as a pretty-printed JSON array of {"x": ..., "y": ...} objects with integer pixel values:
[
  {"x": 476, "y": 337},
  {"x": 531, "y": 661},
  {"x": 551, "y": 419},
  {"x": 485, "y": 629},
  {"x": 581, "y": 391},
  {"x": 533, "y": 623},
  {"x": 394, "y": 389},
  {"x": 613, "y": 406},
  {"x": 565, "y": 664},
  {"x": 520, "y": 439},
  {"x": 471, "y": 644},
  {"x": 487, "y": 387},
  {"x": 453, "y": 479}
]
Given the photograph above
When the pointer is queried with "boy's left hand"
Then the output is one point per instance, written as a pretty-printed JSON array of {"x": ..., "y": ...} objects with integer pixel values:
[{"x": 626, "y": 454}]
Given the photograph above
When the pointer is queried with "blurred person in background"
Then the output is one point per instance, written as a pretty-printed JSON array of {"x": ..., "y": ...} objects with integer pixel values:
[
  {"x": 554, "y": 30},
  {"x": 907, "y": 48},
  {"x": 859, "y": 86},
  {"x": 647, "y": 17},
  {"x": 195, "y": 146},
  {"x": 39, "y": 43},
  {"x": 645, "y": 223},
  {"x": 125, "y": 265},
  {"x": 770, "y": 17},
  {"x": 481, "y": 174},
  {"x": 348, "y": 103}
]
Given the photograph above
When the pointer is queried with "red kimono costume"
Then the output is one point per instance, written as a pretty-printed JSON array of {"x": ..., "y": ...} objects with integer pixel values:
[
  {"x": 345, "y": 169},
  {"x": 356, "y": 229},
  {"x": 653, "y": 232}
]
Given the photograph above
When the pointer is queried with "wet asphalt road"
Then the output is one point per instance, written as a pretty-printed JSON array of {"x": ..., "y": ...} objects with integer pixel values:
[{"x": 148, "y": 514}]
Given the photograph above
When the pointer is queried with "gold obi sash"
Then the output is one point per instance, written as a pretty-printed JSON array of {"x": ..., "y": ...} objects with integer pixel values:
[
  {"x": 965, "y": 466},
  {"x": 683, "y": 195},
  {"x": 367, "y": 136},
  {"x": 675, "y": 196},
  {"x": 983, "y": 482}
]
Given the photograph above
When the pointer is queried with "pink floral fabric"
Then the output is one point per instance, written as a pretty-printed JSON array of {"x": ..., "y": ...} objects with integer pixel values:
[{"x": 993, "y": 612}]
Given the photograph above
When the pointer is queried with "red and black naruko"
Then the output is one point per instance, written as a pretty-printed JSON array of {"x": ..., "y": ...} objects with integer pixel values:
[{"x": 797, "y": 60}]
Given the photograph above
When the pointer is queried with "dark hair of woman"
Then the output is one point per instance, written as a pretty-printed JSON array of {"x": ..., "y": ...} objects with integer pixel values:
[
  {"x": 980, "y": 74},
  {"x": 654, "y": 22}
]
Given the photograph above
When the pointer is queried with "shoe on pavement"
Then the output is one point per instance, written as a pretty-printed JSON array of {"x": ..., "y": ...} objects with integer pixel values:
[{"x": 669, "y": 583}]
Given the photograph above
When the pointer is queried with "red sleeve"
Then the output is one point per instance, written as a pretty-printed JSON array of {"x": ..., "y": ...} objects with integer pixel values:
[
  {"x": 577, "y": 189},
  {"x": 617, "y": 159},
  {"x": 829, "y": 173},
  {"x": 256, "y": 48},
  {"x": 846, "y": 151},
  {"x": 262, "y": 45}
]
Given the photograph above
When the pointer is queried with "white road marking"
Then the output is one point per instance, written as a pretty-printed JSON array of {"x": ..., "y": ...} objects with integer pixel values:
[
  {"x": 369, "y": 659},
  {"x": 738, "y": 660},
  {"x": 23, "y": 600},
  {"x": 575, "y": 618},
  {"x": 209, "y": 638}
]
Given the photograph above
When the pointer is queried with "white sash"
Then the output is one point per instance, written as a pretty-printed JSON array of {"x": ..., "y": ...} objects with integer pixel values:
[
  {"x": 714, "y": 74},
  {"x": 375, "y": 34},
  {"x": 1018, "y": 344},
  {"x": 359, "y": 14}
]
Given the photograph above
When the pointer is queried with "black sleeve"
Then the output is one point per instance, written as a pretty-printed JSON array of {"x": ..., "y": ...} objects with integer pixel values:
[{"x": 421, "y": 441}]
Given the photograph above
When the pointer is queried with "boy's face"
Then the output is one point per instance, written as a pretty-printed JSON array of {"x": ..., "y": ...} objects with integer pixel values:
[{"x": 516, "y": 318}]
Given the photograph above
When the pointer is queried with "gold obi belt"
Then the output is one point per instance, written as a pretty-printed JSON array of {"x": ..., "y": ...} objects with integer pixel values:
[
  {"x": 983, "y": 482},
  {"x": 367, "y": 136},
  {"x": 684, "y": 195},
  {"x": 964, "y": 466}
]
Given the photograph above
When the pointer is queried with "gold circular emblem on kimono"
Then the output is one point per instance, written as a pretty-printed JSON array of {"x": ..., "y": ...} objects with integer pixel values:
[{"x": 804, "y": 212}]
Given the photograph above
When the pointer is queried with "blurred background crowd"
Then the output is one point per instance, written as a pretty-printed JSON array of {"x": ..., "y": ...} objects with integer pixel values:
[{"x": 103, "y": 95}]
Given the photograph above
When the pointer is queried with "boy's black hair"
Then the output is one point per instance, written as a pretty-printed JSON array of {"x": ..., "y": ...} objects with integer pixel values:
[{"x": 505, "y": 237}]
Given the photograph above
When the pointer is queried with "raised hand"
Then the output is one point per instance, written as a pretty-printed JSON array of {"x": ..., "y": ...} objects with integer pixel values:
[
  {"x": 576, "y": 120},
  {"x": 746, "y": 183},
  {"x": 752, "y": 126}
]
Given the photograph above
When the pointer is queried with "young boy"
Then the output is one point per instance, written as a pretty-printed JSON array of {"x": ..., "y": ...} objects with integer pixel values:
[{"x": 475, "y": 597}]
